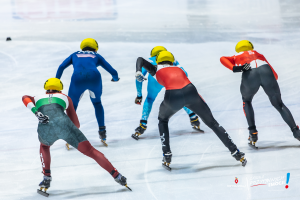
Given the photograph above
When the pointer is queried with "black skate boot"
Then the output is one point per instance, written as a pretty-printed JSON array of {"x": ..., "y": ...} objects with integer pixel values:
[
  {"x": 122, "y": 180},
  {"x": 166, "y": 161},
  {"x": 102, "y": 134},
  {"x": 252, "y": 137},
  {"x": 239, "y": 156},
  {"x": 195, "y": 122},
  {"x": 45, "y": 184},
  {"x": 140, "y": 130},
  {"x": 296, "y": 132}
]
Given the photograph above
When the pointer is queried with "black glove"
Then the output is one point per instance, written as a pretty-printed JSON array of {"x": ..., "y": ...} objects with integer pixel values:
[
  {"x": 44, "y": 119},
  {"x": 138, "y": 100},
  {"x": 243, "y": 68},
  {"x": 112, "y": 80}
]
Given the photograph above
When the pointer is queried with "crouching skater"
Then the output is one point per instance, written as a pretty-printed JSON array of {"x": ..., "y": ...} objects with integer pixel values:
[
  {"x": 54, "y": 124},
  {"x": 181, "y": 92}
]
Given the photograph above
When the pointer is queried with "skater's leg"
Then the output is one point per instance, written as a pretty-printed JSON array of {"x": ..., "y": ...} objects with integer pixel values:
[
  {"x": 95, "y": 95},
  {"x": 198, "y": 105},
  {"x": 45, "y": 159},
  {"x": 271, "y": 87},
  {"x": 75, "y": 93},
  {"x": 87, "y": 149},
  {"x": 173, "y": 102},
  {"x": 153, "y": 88},
  {"x": 75, "y": 137},
  {"x": 249, "y": 87}
]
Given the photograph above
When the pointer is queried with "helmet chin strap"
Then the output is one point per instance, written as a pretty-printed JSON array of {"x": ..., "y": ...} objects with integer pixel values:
[{"x": 52, "y": 91}]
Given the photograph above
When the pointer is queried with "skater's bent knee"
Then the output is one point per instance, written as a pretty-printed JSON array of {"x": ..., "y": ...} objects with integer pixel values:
[
  {"x": 85, "y": 147},
  {"x": 276, "y": 101}
]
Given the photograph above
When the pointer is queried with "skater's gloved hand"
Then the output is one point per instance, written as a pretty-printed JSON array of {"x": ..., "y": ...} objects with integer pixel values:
[
  {"x": 243, "y": 68},
  {"x": 44, "y": 119},
  {"x": 138, "y": 100},
  {"x": 246, "y": 67},
  {"x": 139, "y": 76},
  {"x": 115, "y": 80}
]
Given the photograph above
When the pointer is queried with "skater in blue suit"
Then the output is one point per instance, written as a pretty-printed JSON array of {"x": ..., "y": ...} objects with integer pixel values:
[
  {"x": 87, "y": 77},
  {"x": 153, "y": 89}
]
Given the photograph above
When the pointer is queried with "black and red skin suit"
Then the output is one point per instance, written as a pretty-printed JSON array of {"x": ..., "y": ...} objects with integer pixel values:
[
  {"x": 181, "y": 92},
  {"x": 261, "y": 74}
]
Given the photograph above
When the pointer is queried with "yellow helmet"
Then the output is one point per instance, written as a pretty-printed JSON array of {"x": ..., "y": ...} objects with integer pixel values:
[
  {"x": 164, "y": 56},
  {"x": 53, "y": 84},
  {"x": 156, "y": 50},
  {"x": 89, "y": 42},
  {"x": 244, "y": 45}
]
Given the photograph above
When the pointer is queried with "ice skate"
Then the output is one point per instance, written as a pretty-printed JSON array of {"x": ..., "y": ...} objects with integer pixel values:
[
  {"x": 253, "y": 139},
  {"x": 239, "y": 156},
  {"x": 139, "y": 131},
  {"x": 122, "y": 181},
  {"x": 196, "y": 124},
  {"x": 167, "y": 161},
  {"x": 102, "y": 135},
  {"x": 296, "y": 132},
  {"x": 67, "y": 146},
  {"x": 44, "y": 185}
]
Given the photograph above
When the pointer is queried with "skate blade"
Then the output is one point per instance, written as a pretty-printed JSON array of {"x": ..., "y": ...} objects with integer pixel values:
[
  {"x": 128, "y": 188},
  {"x": 136, "y": 136},
  {"x": 197, "y": 128},
  {"x": 166, "y": 166},
  {"x": 104, "y": 143},
  {"x": 67, "y": 146},
  {"x": 244, "y": 162},
  {"x": 41, "y": 192},
  {"x": 252, "y": 145}
]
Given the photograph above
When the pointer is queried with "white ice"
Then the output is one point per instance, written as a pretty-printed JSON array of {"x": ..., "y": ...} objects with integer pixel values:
[{"x": 198, "y": 33}]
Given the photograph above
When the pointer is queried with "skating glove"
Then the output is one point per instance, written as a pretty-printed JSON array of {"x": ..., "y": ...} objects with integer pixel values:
[
  {"x": 114, "y": 80},
  {"x": 139, "y": 76},
  {"x": 243, "y": 68},
  {"x": 43, "y": 119},
  {"x": 138, "y": 100}
]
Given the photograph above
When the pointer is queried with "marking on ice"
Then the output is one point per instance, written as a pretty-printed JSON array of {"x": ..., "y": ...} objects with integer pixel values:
[{"x": 145, "y": 174}]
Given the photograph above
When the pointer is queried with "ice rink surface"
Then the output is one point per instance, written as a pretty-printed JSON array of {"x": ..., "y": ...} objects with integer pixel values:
[{"x": 198, "y": 33}]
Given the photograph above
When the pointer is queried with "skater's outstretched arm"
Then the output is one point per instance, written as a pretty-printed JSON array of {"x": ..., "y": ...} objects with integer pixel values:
[
  {"x": 142, "y": 63},
  {"x": 63, "y": 66},
  {"x": 72, "y": 113},
  {"x": 105, "y": 65}
]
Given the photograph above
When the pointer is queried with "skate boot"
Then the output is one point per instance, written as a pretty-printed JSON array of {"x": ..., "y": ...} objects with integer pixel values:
[
  {"x": 102, "y": 134},
  {"x": 166, "y": 161},
  {"x": 239, "y": 156},
  {"x": 45, "y": 184},
  {"x": 122, "y": 180},
  {"x": 195, "y": 123},
  {"x": 140, "y": 129},
  {"x": 296, "y": 132},
  {"x": 252, "y": 137}
]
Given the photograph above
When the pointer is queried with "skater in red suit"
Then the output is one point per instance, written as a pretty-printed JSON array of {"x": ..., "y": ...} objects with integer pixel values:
[
  {"x": 54, "y": 124},
  {"x": 257, "y": 72},
  {"x": 181, "y": 92}
]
